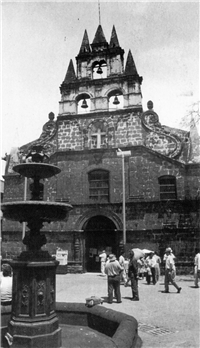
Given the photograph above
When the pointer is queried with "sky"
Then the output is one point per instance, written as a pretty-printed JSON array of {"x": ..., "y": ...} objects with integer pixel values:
[{"x": 39, "y": 38}]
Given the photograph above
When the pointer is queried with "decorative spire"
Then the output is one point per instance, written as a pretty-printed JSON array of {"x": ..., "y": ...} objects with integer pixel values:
[
  {"x": 85, "y": 46},
  {"x": 130, "y": 68},
  {"x": 70, "y": 75},
  {"x": 194, "y": 142},
  {"x": 114, "y": 39},
  {"x": 99, "y": 36}
]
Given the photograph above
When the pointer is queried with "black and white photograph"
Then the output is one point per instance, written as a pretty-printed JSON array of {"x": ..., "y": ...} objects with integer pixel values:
[{"x": 100, "y": 174}]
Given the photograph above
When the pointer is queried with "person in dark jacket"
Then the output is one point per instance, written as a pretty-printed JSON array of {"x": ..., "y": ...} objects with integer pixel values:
[{"x": 133, "y": 275}]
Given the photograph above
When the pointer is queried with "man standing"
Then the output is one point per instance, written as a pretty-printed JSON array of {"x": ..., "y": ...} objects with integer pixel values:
[
  {"x": 133, "y": 275},
  {"x": 170, "y": 271},
  {"x": 151, "y": 263},
  {"x": 122, "y": 264},
  {"x": 113, "y": 270},
  {"x": 197, "y": 268},
  {"x": 157, "y": 266},
  {"x": 103, "y": 258}
]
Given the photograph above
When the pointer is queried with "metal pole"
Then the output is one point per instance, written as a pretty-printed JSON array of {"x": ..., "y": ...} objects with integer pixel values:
[
  {"x": 123, "y": 154},
  {"x": 123, "y": 203},
  {"x": 25, "y": 194}
]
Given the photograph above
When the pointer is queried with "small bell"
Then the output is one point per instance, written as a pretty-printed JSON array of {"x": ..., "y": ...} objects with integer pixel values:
[
  {"x": 99, "y": 70},
  {"x": 116, "y": 101},
  {"x": 84, "y": 104}
]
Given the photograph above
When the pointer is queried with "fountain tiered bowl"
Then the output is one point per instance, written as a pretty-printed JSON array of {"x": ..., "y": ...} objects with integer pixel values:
[{"x": 35, "y": 319}]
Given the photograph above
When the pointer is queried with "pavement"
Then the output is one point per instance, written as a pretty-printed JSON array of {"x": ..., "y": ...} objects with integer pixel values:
[{"x": 166, "y": 320}]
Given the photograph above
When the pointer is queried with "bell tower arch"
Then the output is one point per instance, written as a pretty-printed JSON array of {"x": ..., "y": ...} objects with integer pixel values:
[{"x": 99, "y": 69}]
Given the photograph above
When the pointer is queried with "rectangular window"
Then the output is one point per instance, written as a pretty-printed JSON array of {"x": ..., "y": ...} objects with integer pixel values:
[
  {"x": 167, "y": 188},
  {"x": 99, "y": 185}
]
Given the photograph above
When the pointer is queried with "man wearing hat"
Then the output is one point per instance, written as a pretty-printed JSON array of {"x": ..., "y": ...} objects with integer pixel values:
[
  {"x": 165, "y": 255},
  {"x": 103, "y": 258},
  {"x": 170, "y": 271},
  {"x": 113, "y": 270}
]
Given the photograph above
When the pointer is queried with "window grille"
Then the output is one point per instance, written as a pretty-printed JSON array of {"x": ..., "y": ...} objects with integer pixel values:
[
  {"x": 99, "y": 185},
  {"x": 167, "y": 188}
]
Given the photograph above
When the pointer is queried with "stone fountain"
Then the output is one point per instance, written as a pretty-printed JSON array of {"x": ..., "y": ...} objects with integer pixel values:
[
  {"x": 34, "y": 322},
  {"x": 34, "y": 319}
]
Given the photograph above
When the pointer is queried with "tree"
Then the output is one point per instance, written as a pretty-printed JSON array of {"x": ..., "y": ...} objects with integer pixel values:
[{"x": 191, "y": 117}]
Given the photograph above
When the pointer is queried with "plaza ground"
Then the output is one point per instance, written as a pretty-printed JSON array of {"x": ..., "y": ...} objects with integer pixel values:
[{"x": 165, "y": 320}]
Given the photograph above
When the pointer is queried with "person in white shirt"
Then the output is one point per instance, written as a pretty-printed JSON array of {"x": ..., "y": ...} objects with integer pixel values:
[
  {"x": 113, "y": 270},
  {"x": 197, "y": 268},
  {"x": 151, "y": 263},
  {"x": 103, "y": 258},
  {"x": 122, "y": 264},
  {"x": 170, "y": 271},
  {"x": 165, "y": 255},
  {"x": 6, "y": 285},
  {"x": 157, "y": 266}
]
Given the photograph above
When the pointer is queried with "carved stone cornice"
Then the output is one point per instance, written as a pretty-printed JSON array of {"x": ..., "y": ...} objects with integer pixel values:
[
  {"x": 48, "y": 132},
  {"x": 157, "y": 133}
]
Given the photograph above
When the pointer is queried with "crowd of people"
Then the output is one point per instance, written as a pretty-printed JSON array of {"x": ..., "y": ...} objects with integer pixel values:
[
  {"x": 147, "y": 266},
  {"x": 118, "y": 273}
]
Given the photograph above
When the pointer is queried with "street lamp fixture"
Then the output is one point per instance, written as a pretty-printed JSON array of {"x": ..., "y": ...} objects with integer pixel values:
[{"x": 123, "y": 154}]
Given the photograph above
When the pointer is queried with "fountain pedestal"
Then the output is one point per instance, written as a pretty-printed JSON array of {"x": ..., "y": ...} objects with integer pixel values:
[{"x": 34, "y": 322}]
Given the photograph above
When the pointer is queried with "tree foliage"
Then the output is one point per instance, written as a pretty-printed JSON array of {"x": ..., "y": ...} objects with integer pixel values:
[{"x": 192, "y": 116}]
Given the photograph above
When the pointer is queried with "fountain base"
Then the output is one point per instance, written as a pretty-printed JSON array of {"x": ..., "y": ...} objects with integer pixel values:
[
  {"x": 92, "y": 327},
  {"x": 22, "y": 334},
  {"x": 34, "y": 322}
]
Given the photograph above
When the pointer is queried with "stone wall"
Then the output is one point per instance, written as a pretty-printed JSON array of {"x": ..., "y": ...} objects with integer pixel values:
[
  {"x": 182, "y": 242},
  {"x": 150, "y": 223}
]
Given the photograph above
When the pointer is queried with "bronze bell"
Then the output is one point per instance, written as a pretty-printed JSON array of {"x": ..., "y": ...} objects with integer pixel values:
[
  {"x": 84, "y": 104},
  {"x": 99, "y": 70},
  {"x": 116, "y": 101}
]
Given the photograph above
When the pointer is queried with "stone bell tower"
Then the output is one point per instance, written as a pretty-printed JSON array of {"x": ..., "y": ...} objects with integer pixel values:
[
  {"x": 101, "y": 102},
  {"x": 101, "y": 78}
]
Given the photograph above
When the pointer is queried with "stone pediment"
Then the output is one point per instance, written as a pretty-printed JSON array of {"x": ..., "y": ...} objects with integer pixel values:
[
  {"x": 19, "y": 155},
  {"x": 160, "y": 138}
]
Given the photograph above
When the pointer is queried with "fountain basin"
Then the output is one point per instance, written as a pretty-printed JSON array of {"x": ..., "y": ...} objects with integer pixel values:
[
  {"x": 37, "y": 170},
  {"x": 37, "y": 210},
  {"x": 115, "y": 329},
  {"x": 122, "y": 329}
]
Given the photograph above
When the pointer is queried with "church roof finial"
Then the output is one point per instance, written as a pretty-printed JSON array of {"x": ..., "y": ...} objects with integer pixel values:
[
  {"x": 85, "y": 46},
  {"x": 99, "y": 12},
  {"x": 130, "y": 68},
  {"x": 70, "y": 75},
  {"x": 114, "y": 39},
  {"x": 99, "y": 36}
]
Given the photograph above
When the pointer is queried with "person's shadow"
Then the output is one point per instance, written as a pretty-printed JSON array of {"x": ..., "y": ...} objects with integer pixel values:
[{"x": 127, "y": 298}]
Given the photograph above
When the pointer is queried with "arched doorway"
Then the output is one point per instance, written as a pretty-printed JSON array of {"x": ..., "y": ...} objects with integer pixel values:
[{"x": 100, "y": 233}]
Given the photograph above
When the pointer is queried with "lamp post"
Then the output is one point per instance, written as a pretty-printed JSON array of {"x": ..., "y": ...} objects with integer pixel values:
[
  {"x": 123, "y": 154},
  {"x": 25, "y": 196}
]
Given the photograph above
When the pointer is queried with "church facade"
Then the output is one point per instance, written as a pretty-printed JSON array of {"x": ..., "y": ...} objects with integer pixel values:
[{"x": 101, "y": 115}]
